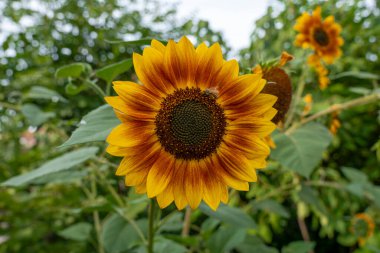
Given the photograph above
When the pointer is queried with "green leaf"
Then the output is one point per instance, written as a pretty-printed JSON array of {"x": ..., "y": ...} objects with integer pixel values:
[
  {"x": 357, "y": 74},
  {"x": 303, "y": 149},
  {"x": 60, "y": 163},
  {"x": 95, "y": 126},
  {"x": 110, "y": 72},
  {"x": 310, "y": 196},
  {"x": 173, "y": 222},
  {"x": 118, "y": 235},
  {"x": 61, "y": 177},
  {"x": 77, "y": 232},
  {"x": 254, "y": 244},
  {"x": 298, "y": 247},
  {"x": 163, "y": 245},
  {"x": 39, "y": 92},
  {"x": 229, "y": 215},
  {"x": 225, "y": 239},
  {"x": 356, "y": 189},
  {"x": 355, "y": 175},
  {"x": 140, "y": 42},
  {"x": 71, "y": 70},
  {"x": 35, "y": 115},
  {"x": 270, "y": 206}
]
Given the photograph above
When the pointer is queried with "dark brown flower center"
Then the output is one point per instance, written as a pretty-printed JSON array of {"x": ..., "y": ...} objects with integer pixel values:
[
  {"x": 190, "y": 124},
  {"x": 321, "y": 37}
]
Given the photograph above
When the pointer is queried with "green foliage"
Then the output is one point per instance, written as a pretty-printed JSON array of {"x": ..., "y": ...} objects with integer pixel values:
[
  {"x": 58, "y": 164},
  {"x": 55, "y": 74},
  {"x": 77, "y": 232},
  {"x": 302, "y": 149},
  {"x": 95, "y": 126},
  {"x": 109, "y": 72},
  {"x": 118, "y": 235},
  {"x": 230, "y": 215}
]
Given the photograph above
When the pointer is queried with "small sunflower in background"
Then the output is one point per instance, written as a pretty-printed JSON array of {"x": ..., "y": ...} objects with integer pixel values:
[
  {"x": 363, "y": 227},
  {"x": 193, "y": 127},
  {"x": 323, "y": 36}
]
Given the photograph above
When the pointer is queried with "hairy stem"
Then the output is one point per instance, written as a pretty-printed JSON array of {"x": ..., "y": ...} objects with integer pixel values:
[{"x": 304, "y": 231}]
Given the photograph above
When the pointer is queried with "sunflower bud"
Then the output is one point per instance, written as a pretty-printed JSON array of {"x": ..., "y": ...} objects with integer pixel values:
[{"x": 278, "y": 84}]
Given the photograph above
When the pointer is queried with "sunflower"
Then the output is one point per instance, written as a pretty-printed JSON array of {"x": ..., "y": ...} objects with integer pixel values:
[
  {"x": 315, "y": 62},
  {"x": 193, "y": 128},
  {"x": 363, "y": 227},
  {"x": 321, "y": 35}
]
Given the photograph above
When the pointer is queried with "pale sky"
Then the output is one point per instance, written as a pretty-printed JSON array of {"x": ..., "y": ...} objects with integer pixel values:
[{"x": 235, "y": 18}]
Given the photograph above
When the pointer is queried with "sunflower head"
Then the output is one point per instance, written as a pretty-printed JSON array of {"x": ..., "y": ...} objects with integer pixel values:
[
  {"x": 278, "y": 83},
  {"x": 363, "y": 227},
  {"x": 193, "y": 127},
  {"x": 321, "y": 35}
]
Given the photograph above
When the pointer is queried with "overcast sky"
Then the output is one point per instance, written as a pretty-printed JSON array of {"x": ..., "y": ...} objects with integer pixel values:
[{"x": 235, "y": 18}]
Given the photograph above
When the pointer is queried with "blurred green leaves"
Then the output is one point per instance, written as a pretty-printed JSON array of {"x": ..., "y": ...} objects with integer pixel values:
[
  {"x": 78, "y": 232},
  {"x": 230, "y": 215},
  {"x": 302, "y": 149},
  {"x": 35, "y": 115},
  {"x": 64, "y": 162},
  {"x": 109, "y": 72},
  {"x": 71, "y": 70},
  {"x": 95, "y": 126},
  {"x": 119, "y": 236}
]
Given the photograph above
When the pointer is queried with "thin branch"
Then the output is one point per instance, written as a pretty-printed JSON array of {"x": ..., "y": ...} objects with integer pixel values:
[
  {"x": 337, "y": 107},
  {"x": 186, "y": 222},
  {"x": 304, "y": 231}
]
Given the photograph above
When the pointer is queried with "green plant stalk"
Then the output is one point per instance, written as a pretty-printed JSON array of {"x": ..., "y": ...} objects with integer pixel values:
[
  {"x": 121, "y": 203},
  {"x": 95, "y": 215},
  {"x": 151, "y": 231},
  {"x": 297, "y": 98},
  {"x": 337, "y": 107},
  {"x": 108, "y": 89},
  {"x": 96, "y": 88}
]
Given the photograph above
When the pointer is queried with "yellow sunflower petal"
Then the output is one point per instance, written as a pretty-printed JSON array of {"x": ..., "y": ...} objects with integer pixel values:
[
  {"x": 160, "y": 175},
  {"x": 166, "y": 197},
  {"x": 193, "y": 184}
]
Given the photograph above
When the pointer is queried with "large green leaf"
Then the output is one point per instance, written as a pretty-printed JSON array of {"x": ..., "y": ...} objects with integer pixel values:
[
  {"x": 35, "y": 115},
  {"x": 39, "y": 92},
  {"x": 71, "y": 70},
  {"x": 95, "y": 126},
  {"x": 109, "y": 72},
  {"x": 60, "y": 163},
  {"x": 230, "y": 215},
  {"x": 270, "y": 206},
  {"x": 355, "y": 175},
  {"x": 118, "y": 235},
  {"x": 310, "y": 196},
  {"x": 163, "y": 245},
  {"x": 298, "y": 247},
  {"x": 77, "y": 232},
  {"x": 254, "y": 244},
  {"x": 303, "y": 149},
  {"x": 225, "y": 239}
]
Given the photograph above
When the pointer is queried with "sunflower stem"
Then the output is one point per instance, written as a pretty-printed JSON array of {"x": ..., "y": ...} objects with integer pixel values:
[
  {"x": 151, "y": 231},
  {"x": 96, "y": 88},
  {"x": 186, "y": 222},
  {"x": 95, "y": 214}
]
